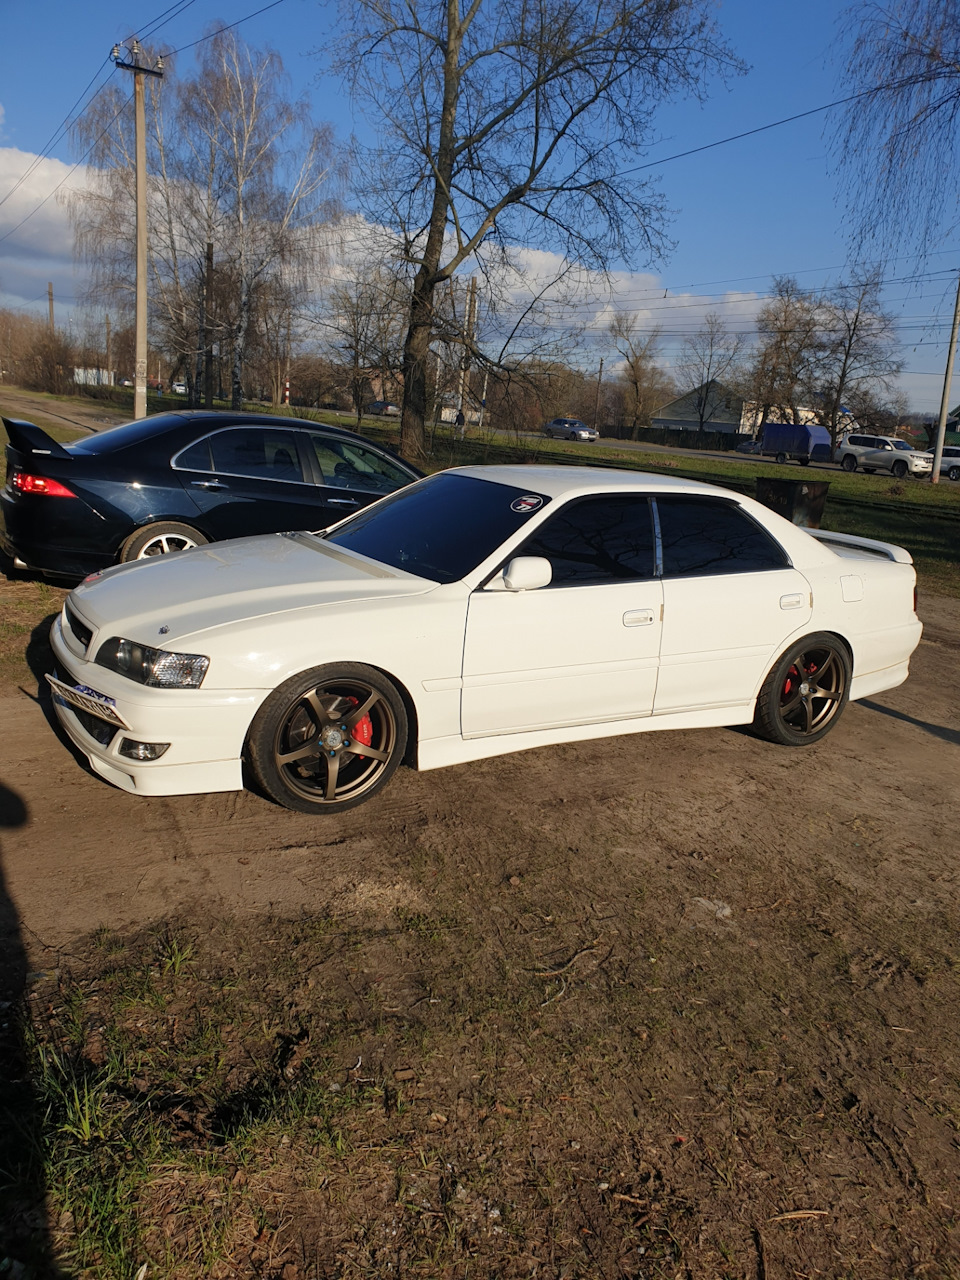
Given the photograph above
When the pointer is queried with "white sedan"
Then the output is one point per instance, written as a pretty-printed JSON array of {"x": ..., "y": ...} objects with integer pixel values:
[{"x": 479, "y": 611}]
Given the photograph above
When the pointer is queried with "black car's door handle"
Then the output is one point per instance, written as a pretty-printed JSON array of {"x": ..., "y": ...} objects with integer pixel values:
[
  {"x": 209, "y": 484},
  {"x": 343, "y": 502}
]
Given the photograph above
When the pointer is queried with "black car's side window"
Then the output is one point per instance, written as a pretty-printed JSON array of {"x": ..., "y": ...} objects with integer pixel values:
[
  {"x": 345, "y": 465},
  {"x": 261, "y": 453},
  {"x": 703, "y": 536},
  {"x": 595, "y": 540}
]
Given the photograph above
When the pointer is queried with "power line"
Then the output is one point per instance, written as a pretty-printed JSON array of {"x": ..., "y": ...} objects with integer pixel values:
[{"x": 228, "y": 27}]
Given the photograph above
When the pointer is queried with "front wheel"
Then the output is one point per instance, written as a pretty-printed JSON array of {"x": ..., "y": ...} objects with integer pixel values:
[
  {"x": 159, "y": 540},
  {"x": 804, "y": 695},
  {"x": 781, "y": 458},
  {"x": 849, "y": 463},
  {"x": 899, "y": 468},
  {"x": 953, "y": 473},
  {"x": 328, "y": 739}
]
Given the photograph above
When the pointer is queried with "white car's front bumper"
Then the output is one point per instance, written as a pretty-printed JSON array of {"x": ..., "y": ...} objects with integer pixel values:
[{"x": 205, "y": 729}]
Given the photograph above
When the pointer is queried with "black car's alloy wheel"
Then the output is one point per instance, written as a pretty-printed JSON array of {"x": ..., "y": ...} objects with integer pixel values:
[
  {"x": 159, "y": 540},
  {"x": 328, "y": 739},
  {"x": 803, "y": 696}
]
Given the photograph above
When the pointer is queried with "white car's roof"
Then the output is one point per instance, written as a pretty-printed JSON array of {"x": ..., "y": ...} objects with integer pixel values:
[{"x": 564, "y": 482}]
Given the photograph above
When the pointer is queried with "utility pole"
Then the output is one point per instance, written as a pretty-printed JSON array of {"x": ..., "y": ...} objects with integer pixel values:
[
  {"x": 596, "y": 407},
  {"x": 109, "y": 360},
  {"x": 945, "y": 399},
  {"x": 50, "y": 302},
  {"x": 208, "y": 331},
  {"x": 139, "y": 71}
]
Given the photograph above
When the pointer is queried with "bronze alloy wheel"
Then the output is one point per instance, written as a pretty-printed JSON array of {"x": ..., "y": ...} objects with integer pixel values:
[
  {"x": 328, "y": 739},
  {"x": 805, "y": 693}
]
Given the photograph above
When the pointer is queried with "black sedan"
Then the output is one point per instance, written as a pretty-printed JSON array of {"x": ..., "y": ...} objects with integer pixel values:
[{"x": 177, "y": 480}]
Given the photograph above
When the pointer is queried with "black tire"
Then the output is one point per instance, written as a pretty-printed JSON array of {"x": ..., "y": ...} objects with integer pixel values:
[
  {"x": 849, "y": 462},
  {"x": 328, "y": 739},
  {"x": 899, "y": 468},
  {"x": 781, "y": 458},
  {"x": 160, "y": 539},
  {"x": 804, "y": 695},
  {"x": 953, "y": 473},
  {"x": 804, "y": 462}
]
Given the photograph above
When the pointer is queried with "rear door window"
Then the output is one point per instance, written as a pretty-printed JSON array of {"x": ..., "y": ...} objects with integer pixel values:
[
  {"x": 707, "y": 536},
  {"x": 258, "y": 453}
]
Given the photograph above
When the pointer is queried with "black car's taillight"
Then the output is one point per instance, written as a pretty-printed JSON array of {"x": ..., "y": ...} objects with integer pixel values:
[{"x": 24, "y": 482}]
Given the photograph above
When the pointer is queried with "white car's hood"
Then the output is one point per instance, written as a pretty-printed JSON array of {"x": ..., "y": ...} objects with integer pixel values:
[{"x": 154, "y": 601}]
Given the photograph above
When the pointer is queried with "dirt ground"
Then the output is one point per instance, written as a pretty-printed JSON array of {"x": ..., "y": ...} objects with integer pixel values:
[{"x": 665, "y": 1005}]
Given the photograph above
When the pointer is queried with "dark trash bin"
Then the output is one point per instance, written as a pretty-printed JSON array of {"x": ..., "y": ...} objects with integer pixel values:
[{"x": 800, "y": 501}]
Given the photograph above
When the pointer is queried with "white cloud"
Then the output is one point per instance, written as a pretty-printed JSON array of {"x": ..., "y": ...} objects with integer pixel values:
[{"x": 36, "y": 238}]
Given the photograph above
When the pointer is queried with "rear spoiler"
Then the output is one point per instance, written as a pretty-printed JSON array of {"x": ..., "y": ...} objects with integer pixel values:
[
  {"x": 841, "y": 542},
  {"x": 27, "y": 438}
]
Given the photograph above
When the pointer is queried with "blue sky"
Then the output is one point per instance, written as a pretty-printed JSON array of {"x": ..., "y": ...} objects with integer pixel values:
[{"x": 744, "y": 211}]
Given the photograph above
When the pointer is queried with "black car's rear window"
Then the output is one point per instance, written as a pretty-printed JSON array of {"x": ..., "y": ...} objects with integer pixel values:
[
  {"x": 441, "y": 528},
  {"x": 129, "y": 433}
]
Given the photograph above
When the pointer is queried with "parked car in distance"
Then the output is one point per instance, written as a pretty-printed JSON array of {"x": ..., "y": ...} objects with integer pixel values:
[
  {"x": 749, "y": 446},
  {"x": 383, "y": 409},
  {"x": 882, "y": 453},
  {"x": 435, "y": 628},
  {"x": 950, "y": 462},
  {"x": 177, "y": 480},
  {"x": 178, "y": 388},
  {"x": 569, "y": 429}
]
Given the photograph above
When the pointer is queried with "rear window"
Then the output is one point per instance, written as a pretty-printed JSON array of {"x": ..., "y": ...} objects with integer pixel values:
[{"x": 128, "y": 433}]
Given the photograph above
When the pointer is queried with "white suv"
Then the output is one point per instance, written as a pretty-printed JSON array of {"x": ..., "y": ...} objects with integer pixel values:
[{"x": 882, "y": 453}]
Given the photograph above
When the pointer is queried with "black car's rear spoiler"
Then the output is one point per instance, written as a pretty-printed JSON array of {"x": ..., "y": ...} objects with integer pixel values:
[{"x": 30, "y": 439}]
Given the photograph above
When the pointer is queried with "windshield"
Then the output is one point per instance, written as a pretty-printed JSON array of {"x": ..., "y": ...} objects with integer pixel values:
[
  {"x": 902, "y": 444},
  {"x": 441, "y": 528}
]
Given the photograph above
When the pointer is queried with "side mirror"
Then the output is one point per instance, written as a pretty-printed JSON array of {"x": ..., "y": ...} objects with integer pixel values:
[{"x": 527, "y": 573}]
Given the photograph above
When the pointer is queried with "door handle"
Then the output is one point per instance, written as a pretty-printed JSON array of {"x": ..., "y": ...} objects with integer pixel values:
[
  {"x": 792, "y": 601},
  {"x": 343, "y": 502},
  {"x": 638, "y": 618},
  {"x": 209, "y": 484}
]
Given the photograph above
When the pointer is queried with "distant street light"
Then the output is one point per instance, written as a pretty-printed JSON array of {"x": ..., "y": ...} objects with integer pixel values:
[{"x": 139, "y": 71}]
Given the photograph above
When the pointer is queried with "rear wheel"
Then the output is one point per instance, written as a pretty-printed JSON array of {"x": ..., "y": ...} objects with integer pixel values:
[
  {"x": 849, "y": 462},
  {"x": 899, "y": 468},
  {"x": 328, "y": 739},
  {"x": 159, "y": 540},
  {"x": 804, "y": 694},
  {"x": 781, "y": 457},
  {"x": 953, "y": 473}
]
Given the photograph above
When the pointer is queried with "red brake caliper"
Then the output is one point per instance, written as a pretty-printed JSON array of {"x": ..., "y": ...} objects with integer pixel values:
[{"x": 363, "y": 729}]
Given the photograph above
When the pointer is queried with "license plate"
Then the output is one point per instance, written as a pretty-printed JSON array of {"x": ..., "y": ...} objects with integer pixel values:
[{"x": 84, "y": 698}]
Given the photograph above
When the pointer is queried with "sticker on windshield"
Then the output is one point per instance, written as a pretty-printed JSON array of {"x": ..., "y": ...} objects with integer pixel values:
[{"x": 529, "y": 502}]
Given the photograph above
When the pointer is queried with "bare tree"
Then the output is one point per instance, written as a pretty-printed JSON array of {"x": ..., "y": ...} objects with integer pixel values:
[
  {"x": 363, "y": 319},
  {"x": 512, "y": 122},
  {"x": 233, "y": 162},
  {"x": 707, "y": 358},
  {"x": 648, "y": 383},
  {"x": 899, "y": 147},
  {"x": 857, "y": 350},
  {"x": 789, "y": 346}
]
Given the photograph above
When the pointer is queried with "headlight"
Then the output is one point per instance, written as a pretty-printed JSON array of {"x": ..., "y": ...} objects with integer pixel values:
[{"x": 155, "y": 667}]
